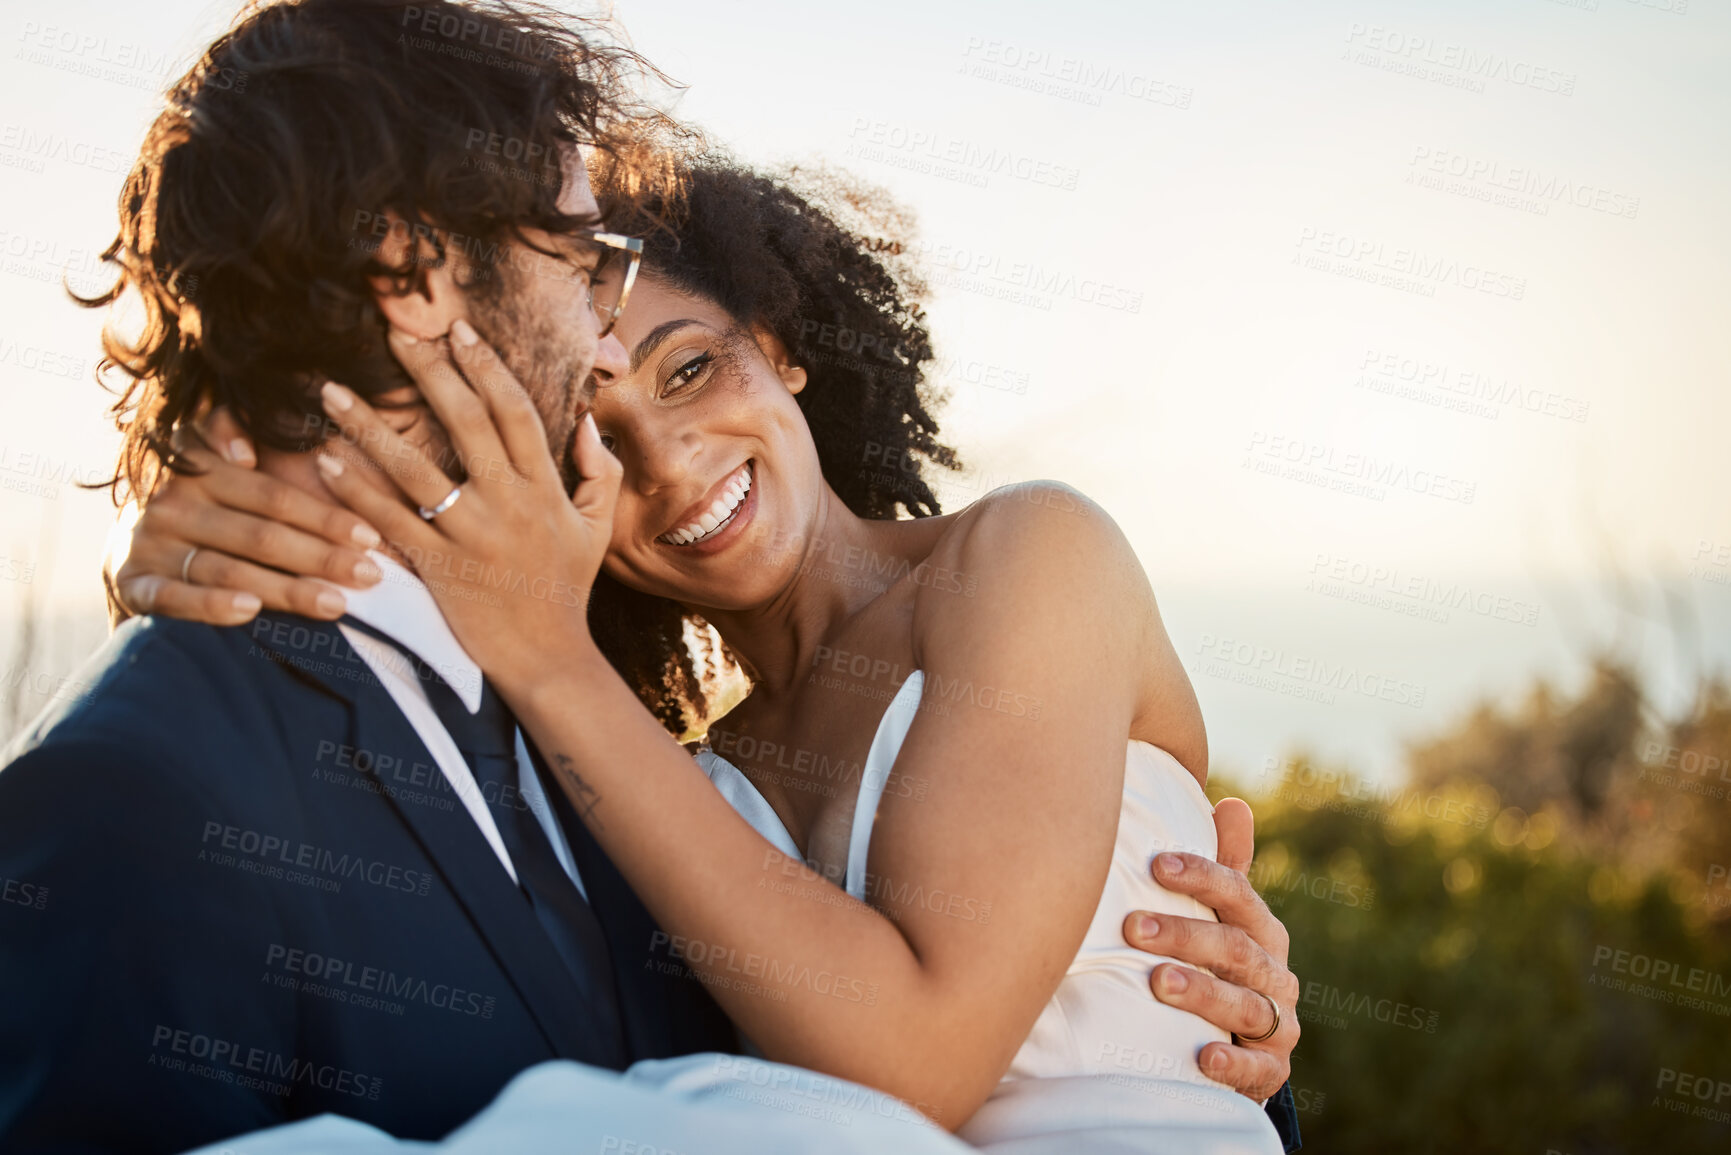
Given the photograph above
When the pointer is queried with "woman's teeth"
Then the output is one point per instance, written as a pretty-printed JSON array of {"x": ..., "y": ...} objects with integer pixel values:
[{"x": 717, "y": 515}]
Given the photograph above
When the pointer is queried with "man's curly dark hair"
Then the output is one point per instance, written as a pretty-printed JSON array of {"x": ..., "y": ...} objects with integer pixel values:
[
  {"x": 249, "y": 225},
  {"x": 825, "y": 263}
]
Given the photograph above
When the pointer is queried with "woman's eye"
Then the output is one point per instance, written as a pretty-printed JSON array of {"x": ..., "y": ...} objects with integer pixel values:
[
  {"x": 608, "y": 442},
  {"x": 688, "y": 372}
]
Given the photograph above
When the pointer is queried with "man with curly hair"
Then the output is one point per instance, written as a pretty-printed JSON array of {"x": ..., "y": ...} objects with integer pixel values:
[{"x": 297, "y": 867}]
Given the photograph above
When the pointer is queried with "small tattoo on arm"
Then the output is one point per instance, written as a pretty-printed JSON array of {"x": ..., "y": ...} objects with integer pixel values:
[{"x": 583, "y": 796}]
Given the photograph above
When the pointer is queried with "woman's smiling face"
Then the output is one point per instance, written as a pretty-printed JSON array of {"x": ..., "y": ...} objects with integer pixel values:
[{"x": 722, "y": 482}]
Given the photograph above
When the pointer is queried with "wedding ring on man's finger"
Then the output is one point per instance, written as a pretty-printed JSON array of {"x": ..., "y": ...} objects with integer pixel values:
[
  {"x": 1272, "y": 1027},
  {"x": 450, "y": 500},
  {"x": 186, "y": 566}
]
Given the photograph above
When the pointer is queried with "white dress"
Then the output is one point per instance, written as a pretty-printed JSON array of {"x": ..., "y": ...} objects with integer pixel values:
[{"x": 1107, "y": 1067}]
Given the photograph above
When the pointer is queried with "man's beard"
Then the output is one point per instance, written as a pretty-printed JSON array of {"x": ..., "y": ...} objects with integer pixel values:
[{"x": 545, "y": 359}]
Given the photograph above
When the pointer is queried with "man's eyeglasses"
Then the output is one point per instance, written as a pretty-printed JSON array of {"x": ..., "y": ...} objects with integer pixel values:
[{"x": 615, "y": 272}]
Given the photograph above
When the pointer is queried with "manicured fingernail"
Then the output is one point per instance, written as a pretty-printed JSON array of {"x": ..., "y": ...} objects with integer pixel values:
[
  {"x": 1147, "y": 925},
  {"x": 366, "y": 571},
  {"x": 140, "y": 593},
  {"x": 240, "y": 452},
  {"x": 365, "y": 536},
  {"x": 1173, "y": 980},
  {"x": 406, "y": 338},
  {"x": 1216, "y": 1062},
  {"x": 1171, "y": 864},
  {"x": 246, "y": 604},
  {"x": 331, "y": 467},
  {"x": 462, "y": 334},
  {"x": 332, "y": 603},
  {"x": 337, "y": 399}
]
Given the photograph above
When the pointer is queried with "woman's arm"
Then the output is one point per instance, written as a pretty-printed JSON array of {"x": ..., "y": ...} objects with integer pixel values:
[{"x": 1030, "y": 693}]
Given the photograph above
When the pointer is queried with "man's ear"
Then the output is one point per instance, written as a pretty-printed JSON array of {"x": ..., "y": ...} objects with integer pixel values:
[
  {"x": 433, "y": 301},
  {"x": 792, "y": 375}
]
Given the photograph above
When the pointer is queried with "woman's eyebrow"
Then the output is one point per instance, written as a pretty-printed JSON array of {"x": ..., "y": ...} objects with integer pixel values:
[{"x": 657, "y": 335}]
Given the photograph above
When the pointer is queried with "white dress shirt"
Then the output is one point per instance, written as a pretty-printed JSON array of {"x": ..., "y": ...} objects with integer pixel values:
[{"x": 402, "y": 608}]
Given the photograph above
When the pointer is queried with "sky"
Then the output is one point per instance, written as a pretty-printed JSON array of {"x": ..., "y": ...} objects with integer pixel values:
[{"x": 1391, "y": 333}]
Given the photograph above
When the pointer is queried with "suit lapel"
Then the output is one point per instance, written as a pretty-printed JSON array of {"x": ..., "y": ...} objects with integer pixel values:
[{"x": 452, "y": 841}]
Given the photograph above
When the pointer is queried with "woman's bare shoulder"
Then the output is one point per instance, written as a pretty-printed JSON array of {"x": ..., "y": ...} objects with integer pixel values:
[
  {"x": 1050, "y": 537},
  {"x": 1045, "y": 521}
]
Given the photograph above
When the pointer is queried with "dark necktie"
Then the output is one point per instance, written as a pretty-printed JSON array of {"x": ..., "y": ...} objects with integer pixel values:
[{"x": 488, "y": 742}]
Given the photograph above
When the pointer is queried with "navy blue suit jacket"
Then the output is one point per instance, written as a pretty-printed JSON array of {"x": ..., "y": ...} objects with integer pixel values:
[{"x": 238, "y": 891}]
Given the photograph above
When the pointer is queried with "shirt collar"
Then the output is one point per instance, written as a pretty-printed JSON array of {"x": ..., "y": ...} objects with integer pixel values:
[{"x": 402, "y": 608}]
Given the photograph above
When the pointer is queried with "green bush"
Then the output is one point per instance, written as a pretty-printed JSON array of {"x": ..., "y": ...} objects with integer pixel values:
[{"x": 1463, "y": 990}]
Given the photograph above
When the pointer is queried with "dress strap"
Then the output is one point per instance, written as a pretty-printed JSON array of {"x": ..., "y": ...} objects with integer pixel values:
[
  {"x": 880, "y": 761},
  {"x": 747, "y": 802}
]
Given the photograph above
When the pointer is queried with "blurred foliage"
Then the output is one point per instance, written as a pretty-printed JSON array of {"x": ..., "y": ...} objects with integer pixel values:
[{"x": 1457, "y": 938}]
